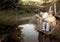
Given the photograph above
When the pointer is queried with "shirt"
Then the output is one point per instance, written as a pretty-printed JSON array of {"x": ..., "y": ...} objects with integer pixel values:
[
  {"x": 52, "y": 19},
  {"x": 45, "y": 15}
]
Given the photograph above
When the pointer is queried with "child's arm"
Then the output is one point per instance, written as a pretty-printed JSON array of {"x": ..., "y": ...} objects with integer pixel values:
[{"x": 38, "y": 16}]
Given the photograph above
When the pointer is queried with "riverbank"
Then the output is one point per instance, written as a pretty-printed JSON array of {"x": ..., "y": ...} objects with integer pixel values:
[{"x": 13, "y": 18}]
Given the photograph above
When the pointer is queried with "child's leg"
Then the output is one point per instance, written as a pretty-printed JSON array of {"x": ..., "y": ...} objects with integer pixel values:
[
  {"x": 41, "y": 24},
  {"x": 44, "y": 23},
  {"x": 47, "y": 26}
]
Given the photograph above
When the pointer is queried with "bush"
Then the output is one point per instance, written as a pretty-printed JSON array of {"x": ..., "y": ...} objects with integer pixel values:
[{"x": 8, "y": 4}]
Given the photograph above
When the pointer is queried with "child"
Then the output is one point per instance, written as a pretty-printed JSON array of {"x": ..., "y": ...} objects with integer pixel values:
[{"x": 51, "y": 21}]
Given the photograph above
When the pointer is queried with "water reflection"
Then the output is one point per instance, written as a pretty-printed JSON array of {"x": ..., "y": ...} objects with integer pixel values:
[{"x": 30, "y": 35}]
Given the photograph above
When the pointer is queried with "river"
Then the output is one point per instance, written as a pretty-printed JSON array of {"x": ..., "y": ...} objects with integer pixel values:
[
  {"x": 29, "y": 34},
  {"x": 24, "y": 34}
]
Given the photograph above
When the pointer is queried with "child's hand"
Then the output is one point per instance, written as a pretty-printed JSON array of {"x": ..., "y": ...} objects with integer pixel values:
[{"x": 37, "y": 16}]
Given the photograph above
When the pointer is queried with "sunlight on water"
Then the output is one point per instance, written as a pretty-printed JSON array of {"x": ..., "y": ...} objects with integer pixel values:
[{"x": 30, "y": 35}]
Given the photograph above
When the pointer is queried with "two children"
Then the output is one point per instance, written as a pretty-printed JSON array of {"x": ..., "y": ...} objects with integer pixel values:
[{"x": 47, "y": 19}]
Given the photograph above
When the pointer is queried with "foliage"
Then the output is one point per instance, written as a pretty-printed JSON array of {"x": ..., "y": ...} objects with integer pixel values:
[
  {"x": 10, "y": 34},
  {"x": 7, "y": 4}
]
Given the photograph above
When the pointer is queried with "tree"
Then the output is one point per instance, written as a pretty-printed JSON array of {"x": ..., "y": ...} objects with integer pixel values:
[{"x": 8, "y": 4}]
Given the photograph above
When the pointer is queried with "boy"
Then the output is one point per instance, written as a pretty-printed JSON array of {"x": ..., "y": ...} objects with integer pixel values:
[{"x": 42, "y": 17}]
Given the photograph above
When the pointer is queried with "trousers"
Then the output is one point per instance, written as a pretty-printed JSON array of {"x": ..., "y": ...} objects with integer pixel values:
[{"x": 46, "y": 26}]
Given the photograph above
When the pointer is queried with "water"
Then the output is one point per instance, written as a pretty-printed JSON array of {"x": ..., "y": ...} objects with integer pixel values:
[
  {"x": 29, "y": 34},
  {"x": 25, "y": 34}
]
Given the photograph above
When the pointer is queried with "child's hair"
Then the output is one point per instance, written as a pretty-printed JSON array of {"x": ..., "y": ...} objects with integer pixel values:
[{"x": 41, "y": 10}]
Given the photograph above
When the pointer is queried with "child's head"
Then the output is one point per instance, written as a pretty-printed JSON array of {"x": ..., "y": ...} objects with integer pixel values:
[{"x": 42, "y": 11}]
